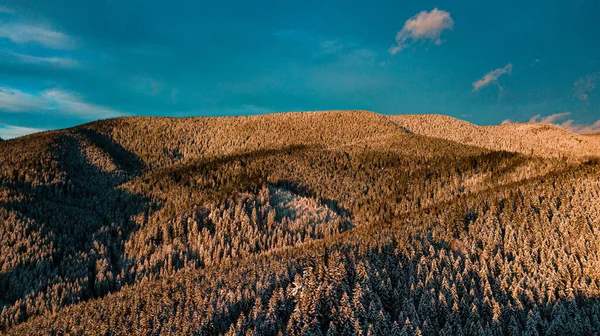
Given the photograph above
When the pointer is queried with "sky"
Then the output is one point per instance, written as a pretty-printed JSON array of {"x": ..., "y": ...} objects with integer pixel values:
[{"x": 66, "y": 62}]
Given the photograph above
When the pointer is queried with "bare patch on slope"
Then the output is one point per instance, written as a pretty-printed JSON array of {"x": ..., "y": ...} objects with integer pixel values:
[{"x": 302, "y": 210}]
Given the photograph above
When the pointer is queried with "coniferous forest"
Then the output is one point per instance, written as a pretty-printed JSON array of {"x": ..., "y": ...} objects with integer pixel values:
[{"x": 329, "y": 223}]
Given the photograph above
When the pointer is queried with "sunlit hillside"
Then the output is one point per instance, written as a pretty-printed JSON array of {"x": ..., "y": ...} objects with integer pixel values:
[
  {"x": 527, "y": 138},
  {"x": 324, "y": 223}
]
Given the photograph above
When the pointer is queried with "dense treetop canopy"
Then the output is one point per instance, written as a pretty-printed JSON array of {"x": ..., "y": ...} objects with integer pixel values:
[{"x": 329, "y": 223}]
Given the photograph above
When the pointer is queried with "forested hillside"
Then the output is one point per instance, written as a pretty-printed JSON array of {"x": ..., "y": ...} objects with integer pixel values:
[
  {"x": 328, "y": 223},
  {"x": 527, "y": 138}
]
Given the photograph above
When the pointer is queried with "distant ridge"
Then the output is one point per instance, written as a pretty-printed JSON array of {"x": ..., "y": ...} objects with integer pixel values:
[
  {"x": 527, "y": 138},
  {"x": 206, "y": 136}
]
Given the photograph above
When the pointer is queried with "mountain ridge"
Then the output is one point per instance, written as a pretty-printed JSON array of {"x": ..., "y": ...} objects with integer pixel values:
[{"x": 528, "y": 138}]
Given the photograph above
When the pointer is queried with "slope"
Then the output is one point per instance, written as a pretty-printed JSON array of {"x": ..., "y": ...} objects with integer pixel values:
[
  {"x": 528, "y": 138},
  {"x": 220, "y": 221},
  {"x": 164, "y": 141},
  {"x": 494, "y": 262}
]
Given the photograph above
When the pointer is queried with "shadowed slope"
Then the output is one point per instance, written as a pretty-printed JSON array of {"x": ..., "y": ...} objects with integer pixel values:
[{"x": 493, "y": 263}]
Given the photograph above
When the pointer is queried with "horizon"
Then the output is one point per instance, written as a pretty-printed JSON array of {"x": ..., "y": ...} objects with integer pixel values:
[
  {"x": 14, "y": 134},
  {"x": 66, "y": 63}
]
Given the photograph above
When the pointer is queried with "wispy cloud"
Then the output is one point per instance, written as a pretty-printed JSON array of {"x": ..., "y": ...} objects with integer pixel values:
[
  {"x": 558, "y": 119},
  {"x": 332, "y": 52},
  {"x": 527, "y": 66},
  {"x": 247, "y": 109},
  {"x": 423, "y": 26},
  {"x": 22, "y": 33},
  {"x": 10, "y": 131},
  {"x": 12, "y": 100},
  {"x": 581, "y": 128},
  {"x": 355, "y": 58},
  {"x": 146, "y": 85},
  {"x": 54, "y": 100},
  {"x": 585, "y": 85},
  {"x": 240, "y": 110},
  {"x": 551, "y": 119},
  {"x": 71, "y": 103},
  {"x": 59, "y": 62},
  {"x": 492, "y": 77},
  {"x": 322, "y": 45},
  {"x": 331, "y": 46},
  {"x": 6, "y": 10}
]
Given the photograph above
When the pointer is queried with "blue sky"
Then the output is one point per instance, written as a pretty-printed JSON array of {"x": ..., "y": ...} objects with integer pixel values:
[{"x": 65, "y": 62}]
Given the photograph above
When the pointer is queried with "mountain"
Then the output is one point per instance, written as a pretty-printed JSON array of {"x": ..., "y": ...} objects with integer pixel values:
[
  {"x": 527, "y": 138},
  {"x": 337, "y": 223}
]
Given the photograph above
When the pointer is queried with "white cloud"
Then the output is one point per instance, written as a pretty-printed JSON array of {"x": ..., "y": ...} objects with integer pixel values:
[
  {"x": 551, "y": 119},
  {"x": 54, "y": 100},
  {"x": 12, "y": 100},
  {"x": 60, "y": 62},
  {"x": 570, "y": 124},
  {"x": 21, "y": 33},
  {"x": 10, "y": 131},
  {"x": 492, "y": 77},
  {"x": 581, "y": 128},
  {"x": 423, "y": 26},
  {"x": 71, "y": 103},
  {"x": 585, "y": 85}
]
